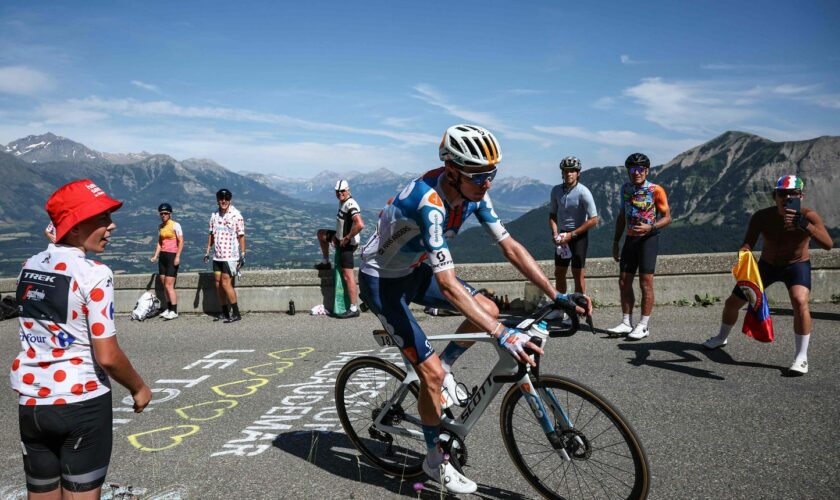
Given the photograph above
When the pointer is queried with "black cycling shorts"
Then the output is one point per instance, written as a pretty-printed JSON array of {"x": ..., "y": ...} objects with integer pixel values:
[
  {"x": 345, "y": 253},
  {"x": 578, "y": 246},
  {"x": 166, "y": 264},
  {"x": 67, "y": 445},
  {"x": 639, "y": 253},
  {"x": 792, "y": 274},
  {"x": 224, "y": 267}
]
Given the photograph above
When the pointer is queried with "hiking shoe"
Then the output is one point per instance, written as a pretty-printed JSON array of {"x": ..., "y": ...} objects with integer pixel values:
[
  {"x": 233, "y": 318},
  {"x": 799, "y": 367},
  {"x": 621, "y": 329},
  {"x": 323, "y": 266},
  {"x": 348, "y": 314},
  {"x": 451, "y": 393},
  {"x": 639, "y": 332},
  {"x": 714, "y": 343},
  {"x": 449, "y": 478},
  {"x": 170, "y": 315}
]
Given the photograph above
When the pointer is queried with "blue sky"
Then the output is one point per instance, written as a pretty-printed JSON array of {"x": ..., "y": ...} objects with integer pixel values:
[{"x": 296, "y": 88}]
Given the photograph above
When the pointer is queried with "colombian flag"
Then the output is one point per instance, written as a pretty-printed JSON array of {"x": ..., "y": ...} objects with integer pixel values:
[{"x": 757, "y": 322}]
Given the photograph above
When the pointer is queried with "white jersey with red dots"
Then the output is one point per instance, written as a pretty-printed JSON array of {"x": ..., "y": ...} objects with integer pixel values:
[
  {"x": 225, "y": 230},
  {"x": 65, "y": 300}
]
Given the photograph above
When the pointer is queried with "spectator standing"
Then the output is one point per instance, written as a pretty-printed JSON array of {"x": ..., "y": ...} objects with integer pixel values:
[
  {"x": 345, "y": 238},
  {"x": 227, "y": 239},
  {"x": 644, "y": 212},
  {"x": 786, "y": 231},
  {"x": 168, "y": 249}
]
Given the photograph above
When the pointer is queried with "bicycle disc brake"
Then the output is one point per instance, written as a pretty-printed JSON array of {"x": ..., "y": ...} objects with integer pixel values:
[{"x": 575, "y": 444}]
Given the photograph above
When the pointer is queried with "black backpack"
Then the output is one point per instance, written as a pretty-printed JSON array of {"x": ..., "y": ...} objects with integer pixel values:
[{"x": 9, "y": 308}]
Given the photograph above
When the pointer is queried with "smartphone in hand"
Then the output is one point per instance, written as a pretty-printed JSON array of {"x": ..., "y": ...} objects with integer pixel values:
[{"x": 794, "y": 204}]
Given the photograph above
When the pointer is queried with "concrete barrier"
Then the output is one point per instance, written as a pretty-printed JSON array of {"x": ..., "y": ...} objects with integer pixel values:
[{"x": 678, "y": 279}]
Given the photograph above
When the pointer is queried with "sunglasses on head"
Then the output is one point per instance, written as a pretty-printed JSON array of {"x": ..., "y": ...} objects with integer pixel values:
[
  {"x": 637, "y": 170},
  {"x": 480, "y": 178}
]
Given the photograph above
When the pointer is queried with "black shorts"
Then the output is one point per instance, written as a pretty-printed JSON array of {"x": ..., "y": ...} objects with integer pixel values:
[
  {"x": 166, "y": 264},
  {"x": 224, "y": 267},
  {"x": 639, "y": 253},
  {"x": 578, "y": 246},
  {"x": 67, "y": 445},
  {"x": 345, "y": 253},
  {"x": 792, "y": 274}
]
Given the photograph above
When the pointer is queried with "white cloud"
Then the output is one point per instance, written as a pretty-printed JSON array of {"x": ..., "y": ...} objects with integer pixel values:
[
  {"x": 146, "y": 86},
  {"x": 828, "y": 101},
  {"x": 625, "y": 59},
  {"x": 791, "y": 89},
  {"x": 656, "y": 147},
  {"x": 21, "y": 80},
  {"x": 605, "y": 102}
]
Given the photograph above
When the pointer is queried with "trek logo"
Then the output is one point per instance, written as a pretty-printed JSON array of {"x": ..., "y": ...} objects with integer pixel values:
[
  {"x": 43, "y": 295},
  {"x": 42, "y": 278},
  {"x": 33, "y": 294}
]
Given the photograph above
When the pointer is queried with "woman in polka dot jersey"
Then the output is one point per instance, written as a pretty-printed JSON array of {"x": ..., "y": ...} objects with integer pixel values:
[{"x": 69, "y": 349}]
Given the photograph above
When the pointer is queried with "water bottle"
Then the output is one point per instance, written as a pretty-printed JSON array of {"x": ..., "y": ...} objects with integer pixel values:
[
  {"x": 539, "y": 330},
  {"x": 292, "y": 307}
]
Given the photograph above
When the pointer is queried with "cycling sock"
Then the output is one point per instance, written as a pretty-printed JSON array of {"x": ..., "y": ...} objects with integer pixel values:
[
  {"x": 235, "y": 308},
  {"x": 430, "y": 435},
  {"x": 226, "y": 311},
  {"x": 724, "y": 331},
  {"x": 173, "y": 308},
  {"x": 627, "y": 319},
  {"x": 644, "y": 320},
  {"x": 801, "y": 346},
  {"x": 353, "y": 307},
  {"x": 451, "y": 354}
]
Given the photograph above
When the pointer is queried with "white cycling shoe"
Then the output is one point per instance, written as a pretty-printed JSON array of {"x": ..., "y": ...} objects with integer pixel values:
[
  {"x": 622, "y": 328},
  {"x": 451, "y": 393},
  {"x": 447, "y": 476}
]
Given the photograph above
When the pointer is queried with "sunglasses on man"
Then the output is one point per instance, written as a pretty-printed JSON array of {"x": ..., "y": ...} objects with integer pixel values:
[
  {"x": 481, "y": 177},
  {"x": 338, "y": 191},
  {"x": 636, "y": 170},
  {"x": 224, "y": 198},
  {"x": 790, "y": 193}
]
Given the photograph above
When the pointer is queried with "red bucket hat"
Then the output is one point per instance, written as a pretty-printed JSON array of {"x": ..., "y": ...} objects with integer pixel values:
[{"x": 75, "y": 202}]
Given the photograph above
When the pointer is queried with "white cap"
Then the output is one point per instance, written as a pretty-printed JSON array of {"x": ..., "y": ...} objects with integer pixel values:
[{"x": 342, "y": 184}]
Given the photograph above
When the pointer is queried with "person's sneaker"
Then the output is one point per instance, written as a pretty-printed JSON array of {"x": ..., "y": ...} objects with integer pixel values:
[
  {"x": 233, "y": 318},
  {"x": 639, "y": 332},
  {"x": 447, "y": 476},
  {"x": 621, "y": 329},
  {"x": 164, "y": 315},
  {"x": 323, "y": 266},
  {"x": 714, "y": 343},
  {"x": 171, "y": 315},
  {"x": 799, "y": 367},
  {"x": 451, "y": 393},
  {"x": 221, "y": 317},
  {"x": 348, "y": 314}
]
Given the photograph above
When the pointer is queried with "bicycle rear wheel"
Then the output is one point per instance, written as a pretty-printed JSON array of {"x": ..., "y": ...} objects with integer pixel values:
[
  {"x": 607, "y": 459},
  {"x": 363, "y": 389}
]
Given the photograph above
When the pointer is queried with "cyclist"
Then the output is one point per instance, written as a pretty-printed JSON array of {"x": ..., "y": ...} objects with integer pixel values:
[
  {"x": 573, "y": 210},
  {"x": 169, "y": 246},
  {"x": 348, "y": 225},
  {"x": 227, "y": 238},
  {"x": 69, "y": 349},
  {"x": 644, "y": 211},
  {"x": 408, "y": 260},
  {"x": 784, "y": 257}
]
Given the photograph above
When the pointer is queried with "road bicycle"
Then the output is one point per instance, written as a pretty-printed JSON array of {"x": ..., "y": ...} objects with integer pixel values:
[{"x": 565, "y": 439}]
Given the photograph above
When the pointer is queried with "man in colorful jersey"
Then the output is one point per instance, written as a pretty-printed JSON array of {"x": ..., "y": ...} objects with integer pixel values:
[
  {"x": 348, "y": 225},
  {"x": 570, "y": 218},
  {"x": 168, "y": 249},
  {"x": 644, "y": 212},
  {"x": 227, "y": 238},
  {"x": 786, "y": 233},
  {"x": 408, "y": 260},
  {"x": 68, "y": 349}
]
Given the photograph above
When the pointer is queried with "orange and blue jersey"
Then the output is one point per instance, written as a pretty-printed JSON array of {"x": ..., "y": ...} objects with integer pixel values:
[{"x": 642, "y": 204}]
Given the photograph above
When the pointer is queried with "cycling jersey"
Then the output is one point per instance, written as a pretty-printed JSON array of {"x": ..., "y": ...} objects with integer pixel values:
[
  {"x": 642, "y": 204},
  {"x": 344, "y": 220},
  {"x": 572, "y": 207},
  {"x": 225, "y": 230},
  {"x": 169, "y": 232},
  {"x": 66, "y": 300},
  {"x": 415, "y": 225}
]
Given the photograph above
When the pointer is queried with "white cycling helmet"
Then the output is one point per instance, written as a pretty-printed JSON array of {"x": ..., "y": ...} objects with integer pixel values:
[
  {"x": 342, "y": 185},
  {"x": 471, "y": 147}
]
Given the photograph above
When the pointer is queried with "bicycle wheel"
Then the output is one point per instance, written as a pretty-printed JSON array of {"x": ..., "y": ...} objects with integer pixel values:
[
  {"x": 607, "y": 459},
  {"x": 363, "y": 389}
]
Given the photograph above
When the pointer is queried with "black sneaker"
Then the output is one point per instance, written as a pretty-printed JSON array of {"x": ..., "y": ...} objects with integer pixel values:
[
  {"x": 220, "y": 317},
  {"x": 348, "y": 314},
  {"x": 323, "y": 266},
  {"x": 233, "y": 318}
]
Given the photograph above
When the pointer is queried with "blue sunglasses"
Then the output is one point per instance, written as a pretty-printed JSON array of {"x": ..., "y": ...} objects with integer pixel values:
[{"x": 480, "y": 178}]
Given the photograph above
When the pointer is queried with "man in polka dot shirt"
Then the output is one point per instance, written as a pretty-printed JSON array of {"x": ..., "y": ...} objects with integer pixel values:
[{"x": 69, "y": 348}]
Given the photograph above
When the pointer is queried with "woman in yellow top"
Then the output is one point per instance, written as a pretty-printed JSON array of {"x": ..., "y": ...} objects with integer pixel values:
[{"x": 169, "y": 246}]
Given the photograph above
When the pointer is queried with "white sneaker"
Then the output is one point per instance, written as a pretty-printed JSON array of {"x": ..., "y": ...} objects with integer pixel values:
[
  {"x": 714, "y": 343},
  {"x": 799, "y": 367},
  {"x": 451, "y": 393},
  {"x": 622, "y": 328},
  {"x": 164, "y": 314},
  {"x": 171, "y": 315},
  {"x": 639, "y": 332},
  {"x": 447, "y": 476}
]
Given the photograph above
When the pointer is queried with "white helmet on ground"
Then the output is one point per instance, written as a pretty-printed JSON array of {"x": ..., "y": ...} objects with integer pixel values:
[
  {"x": 470, "y": 146},
  {"x": 342, "y": 185}
]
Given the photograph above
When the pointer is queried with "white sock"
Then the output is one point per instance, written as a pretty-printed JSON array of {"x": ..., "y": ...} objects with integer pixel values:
[
  {"x": 801, "y": 346},
  {"x": 724, "y": 332},
  {"x": 627, "y": 319},
  {"x": 324, "y": 260},
  {"x": 644, "y": 320},
  {"x": 434, "y": 456},
  {"x": 353, "y": 307}
]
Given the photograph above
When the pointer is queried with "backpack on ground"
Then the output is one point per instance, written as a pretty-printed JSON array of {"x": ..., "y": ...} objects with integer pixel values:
[{"x": 147, "y": 306}]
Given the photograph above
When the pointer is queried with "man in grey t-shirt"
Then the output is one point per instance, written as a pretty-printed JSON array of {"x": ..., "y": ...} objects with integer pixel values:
[{"x": 571, "y": 216}]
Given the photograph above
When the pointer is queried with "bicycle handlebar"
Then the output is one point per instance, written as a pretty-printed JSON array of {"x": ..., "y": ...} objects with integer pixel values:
[{"x": 578, "y": 300}]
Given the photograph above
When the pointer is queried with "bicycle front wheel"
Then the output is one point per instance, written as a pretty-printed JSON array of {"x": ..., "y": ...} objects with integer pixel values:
[
  {"x": 369, "y": 389},
  {"x": 605, "y": 458}
]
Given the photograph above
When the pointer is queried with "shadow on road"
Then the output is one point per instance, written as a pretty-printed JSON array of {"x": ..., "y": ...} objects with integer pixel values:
[
  {"x": 334, "y": 453},
  {"x": 686, "y": 352},
  {"x": 814, "y": 314}
]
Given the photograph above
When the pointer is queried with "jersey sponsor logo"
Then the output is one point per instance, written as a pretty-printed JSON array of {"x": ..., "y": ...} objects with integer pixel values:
[
  {"x": 441, "y": 260},
  {"x": 436, "y": 238},
  {"x": 406, "y": 191},
  {"x": 39, "y": 339},
  {"x": 43, "y": 295},
  {"x": 432, "y": 199},
  {"x": 33, "y": 294},
  {"x": 392, "y": 239},
  {"x": 42, "y": 278},
  {"x": 64, "y": 339}
]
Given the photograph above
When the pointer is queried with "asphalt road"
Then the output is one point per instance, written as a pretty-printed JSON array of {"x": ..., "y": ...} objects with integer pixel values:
[{"x": 226, "y": 421}]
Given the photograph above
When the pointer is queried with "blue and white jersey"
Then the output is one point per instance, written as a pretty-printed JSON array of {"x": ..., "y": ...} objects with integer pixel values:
[{"x": 415, "y": 225}]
